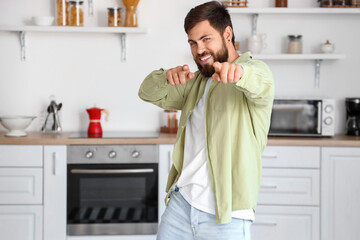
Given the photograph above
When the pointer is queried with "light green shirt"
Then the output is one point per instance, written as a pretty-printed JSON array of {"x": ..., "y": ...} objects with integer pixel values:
[{"x": 236, "y": 126}]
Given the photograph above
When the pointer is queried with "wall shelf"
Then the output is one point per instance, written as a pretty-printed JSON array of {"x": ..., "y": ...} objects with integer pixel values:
[
  {"x": 317, "y": 57},
  {"x": 294, "y": 10},
  {"x": 21, "y": 30}
]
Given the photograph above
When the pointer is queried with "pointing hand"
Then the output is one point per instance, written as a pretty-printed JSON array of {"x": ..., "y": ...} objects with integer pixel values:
[
  {"x": 227, "y": 72},
  {"x": 179, "y": 75}
]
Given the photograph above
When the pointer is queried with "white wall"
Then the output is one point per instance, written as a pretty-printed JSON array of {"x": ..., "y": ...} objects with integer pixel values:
[{"x": 82, "y": 69}]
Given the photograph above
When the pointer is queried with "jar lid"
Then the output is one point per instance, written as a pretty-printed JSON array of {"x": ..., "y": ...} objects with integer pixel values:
[
  {"x": 295, "y": 37},
  {"x": 76, "y": 2},
  {"x": 114, "y": 9}
]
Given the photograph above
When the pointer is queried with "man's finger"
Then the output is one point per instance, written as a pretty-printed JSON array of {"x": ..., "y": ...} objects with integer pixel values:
[
  {"x": 224, "y": 73},
  {"x": 217, "y": 66},
  {"x": 185, "y": 68},
  {"x": 182, "y": 77},
  {"x": 189, "y": 76},
  {"x": 170, "y": 78},
  {"x": 231, "y": 73},
  {"x": 176, "y": 78}
]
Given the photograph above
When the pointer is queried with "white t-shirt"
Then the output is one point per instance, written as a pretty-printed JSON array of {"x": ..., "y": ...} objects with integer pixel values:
[{"x": 194, "y": 181}]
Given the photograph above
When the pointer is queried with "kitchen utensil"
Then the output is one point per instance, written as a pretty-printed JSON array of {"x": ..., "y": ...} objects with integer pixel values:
[
  {"x": 16, "y": 124},
  {"x": 95, "y": 129},
  {"x": 43, "y": 20},
  {"x": 53, "y": 109},
  {"x": 256, "y": 43},
  {"x": 327, "y": 47}
]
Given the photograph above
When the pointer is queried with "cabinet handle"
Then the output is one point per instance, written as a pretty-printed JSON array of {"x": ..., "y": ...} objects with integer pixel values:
[
  {"x": 54, "y": 158},
  {"x": 270, "y": 223},
  {"x": 270, "y": 155},
  {"x": 267, "y": 186}
]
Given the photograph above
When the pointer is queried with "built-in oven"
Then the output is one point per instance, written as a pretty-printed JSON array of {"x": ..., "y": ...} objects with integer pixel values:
[
  {"x": 112, "y": 189},
  {"x": 303, "y": 117}
]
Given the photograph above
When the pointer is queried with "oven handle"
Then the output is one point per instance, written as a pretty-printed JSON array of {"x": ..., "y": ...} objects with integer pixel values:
[{"x": 111, "y": 171}]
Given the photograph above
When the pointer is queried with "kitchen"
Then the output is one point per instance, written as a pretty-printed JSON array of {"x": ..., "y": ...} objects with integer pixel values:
[{"x": 83, "y": 69}]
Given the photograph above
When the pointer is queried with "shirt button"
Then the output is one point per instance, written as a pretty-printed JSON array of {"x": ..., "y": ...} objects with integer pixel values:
[{"x": 182, "y": 126}]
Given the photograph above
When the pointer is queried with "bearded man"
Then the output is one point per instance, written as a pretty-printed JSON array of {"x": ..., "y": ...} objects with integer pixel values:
[{"x": 226, "y": 106}]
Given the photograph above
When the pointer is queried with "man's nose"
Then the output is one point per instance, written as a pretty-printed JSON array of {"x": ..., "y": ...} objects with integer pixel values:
[{"x": 200, "y": 48}]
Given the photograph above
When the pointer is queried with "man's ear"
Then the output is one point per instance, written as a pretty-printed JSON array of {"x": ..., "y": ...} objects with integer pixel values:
[{"x": 228, "y": 34}]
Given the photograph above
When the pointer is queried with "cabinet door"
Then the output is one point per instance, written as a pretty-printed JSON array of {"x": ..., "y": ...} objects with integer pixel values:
[
  {"x": 290, "y": 186},
  {"x": 165, "y": 153},
  {"x": 21, "y": 222},
  {"x": 21, "y": 185},
  {"x": 55, "y": 192},
  {"x": 291, "y": 157},
  {"x": 285, "y": 223},
  {"x": 340, "y": 178},
  {"x": 21, "y": 156}
]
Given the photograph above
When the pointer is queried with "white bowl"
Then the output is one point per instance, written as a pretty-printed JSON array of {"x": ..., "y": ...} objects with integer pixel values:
[
  {"x": 43, "y": 20},
  {"x": 16, "y": 124}
]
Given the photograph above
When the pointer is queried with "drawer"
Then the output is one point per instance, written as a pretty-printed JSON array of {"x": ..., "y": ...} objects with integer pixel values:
[
  {"x": 290, "y": 186},
  {"x": 21, "y": 222},
  {"x": 291, "y": 157},
  {"x": 21, "y": 185},
  {"x": 284, "y": 223},
  {"x": 21, "y": 156}
]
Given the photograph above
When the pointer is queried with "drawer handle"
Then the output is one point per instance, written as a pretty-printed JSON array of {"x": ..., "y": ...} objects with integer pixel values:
[
  {"x": 54, "y": 158},
  {"x": 270, "y": 155},
  {"x": 268, "y": 186},
  {"x": 272, "y": 223}
]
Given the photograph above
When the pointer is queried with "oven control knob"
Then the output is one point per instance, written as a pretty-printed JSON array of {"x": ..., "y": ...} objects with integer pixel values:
[
  {"x": 328, "y": 121},
  {"x": 112, "y": 154},
  {"x": 89, "y": 154},
  {"x": 135, "y": 154},
  {"x": 329, "y": 109}
]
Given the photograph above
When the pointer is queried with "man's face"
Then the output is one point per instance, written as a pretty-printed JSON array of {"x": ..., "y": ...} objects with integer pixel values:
[{"x": 207, "y": 46}]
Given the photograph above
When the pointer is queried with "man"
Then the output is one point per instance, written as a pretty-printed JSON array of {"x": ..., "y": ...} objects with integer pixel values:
[{"x": 226, "y": 106}]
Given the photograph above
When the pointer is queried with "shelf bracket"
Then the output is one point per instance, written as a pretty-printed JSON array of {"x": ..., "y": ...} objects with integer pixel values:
[
  {"x": 23, "y": 45},
  {"x": 91, "y": 8},
  {"x": 254, "y": 23},
  {"x": 317, "y": 72},
  {"x": 123, "y": 47}
]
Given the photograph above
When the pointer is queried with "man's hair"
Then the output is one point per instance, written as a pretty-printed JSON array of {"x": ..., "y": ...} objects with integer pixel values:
[{"x": 215, "y": 12}]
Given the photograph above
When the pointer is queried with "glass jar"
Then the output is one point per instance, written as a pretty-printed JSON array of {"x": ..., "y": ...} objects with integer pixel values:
[
  {"x": 281, "y": 3},
  {"x": 114, "y": 17},
  {"x": 295, "y": 44},
  {"x": 76, "y": 13},
  {"x": 169, "y": 122},
  {"x": 131, "y": 17},
  {"x": 62, "y": 13}
]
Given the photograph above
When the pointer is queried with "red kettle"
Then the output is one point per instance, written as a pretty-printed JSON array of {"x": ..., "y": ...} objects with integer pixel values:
[{"x": 95, "y": 129}]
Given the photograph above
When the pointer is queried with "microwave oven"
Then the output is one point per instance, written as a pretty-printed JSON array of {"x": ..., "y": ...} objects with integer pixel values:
[{"x": 303, "y": 117}]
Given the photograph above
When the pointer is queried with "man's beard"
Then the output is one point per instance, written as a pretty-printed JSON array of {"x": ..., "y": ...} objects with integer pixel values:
[{"x": 221, "y": 56}]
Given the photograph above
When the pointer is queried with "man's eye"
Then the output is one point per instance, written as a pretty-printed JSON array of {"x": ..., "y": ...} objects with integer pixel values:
[
  {"x": 192, "y": 43},
  {"x": 207, "y": 39}
]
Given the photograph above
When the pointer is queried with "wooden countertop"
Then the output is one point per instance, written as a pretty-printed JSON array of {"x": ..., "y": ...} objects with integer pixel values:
[{"x": 39, "y": 138}]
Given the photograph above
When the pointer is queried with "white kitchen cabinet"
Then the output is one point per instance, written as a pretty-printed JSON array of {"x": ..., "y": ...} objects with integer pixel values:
[
  {"x": 55, "y": 192},
  {"x": 285, "y": 223},
  {"x": 21, "y": 222},
  {"x": 289, "y": 197},
  {"x": 340, "y": 195},
  {"x": 165, "y": 162},
  {"x": 290, "y": 187},
  {"x": 21, "y": 185},
  {"x": 21, "y": 156}
]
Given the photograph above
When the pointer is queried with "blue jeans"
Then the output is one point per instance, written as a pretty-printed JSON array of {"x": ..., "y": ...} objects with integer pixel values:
[{"x": 181, "y": 221}]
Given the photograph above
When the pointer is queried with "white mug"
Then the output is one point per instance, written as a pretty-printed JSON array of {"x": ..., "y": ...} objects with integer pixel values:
[{"x": 256, "y": 43}]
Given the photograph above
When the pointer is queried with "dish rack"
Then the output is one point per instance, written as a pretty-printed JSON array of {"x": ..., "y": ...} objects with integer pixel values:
[{"x": 235, "y": 3}]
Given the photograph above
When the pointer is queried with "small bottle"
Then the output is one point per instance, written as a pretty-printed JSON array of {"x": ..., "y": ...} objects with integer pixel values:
[
  {"x": 114, "y": 17},
  {"x": 62, "y": 12},
  {"x": 76, "y": 13},
  {"x": 169, "y": 121},
  {"x": 295, "y": 44}
]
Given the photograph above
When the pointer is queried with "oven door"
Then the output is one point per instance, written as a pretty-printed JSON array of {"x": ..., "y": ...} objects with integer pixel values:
[
  {"x": 296, "y": 118},
  {"x": 112, "y": 199}
]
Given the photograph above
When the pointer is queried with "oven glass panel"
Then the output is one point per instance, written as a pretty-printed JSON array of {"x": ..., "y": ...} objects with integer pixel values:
[
  {"x": 295, "y": 117},
  {"x": 107, "y": 196}
]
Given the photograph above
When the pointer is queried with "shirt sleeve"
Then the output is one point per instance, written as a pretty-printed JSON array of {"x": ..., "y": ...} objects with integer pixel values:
[
  {"x": 157, "y": 90},
  {"x": 257, "y": 82}
]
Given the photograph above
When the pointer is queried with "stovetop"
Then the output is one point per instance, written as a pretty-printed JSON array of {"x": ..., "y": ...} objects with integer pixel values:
[{"x": 117, "y": 134}]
